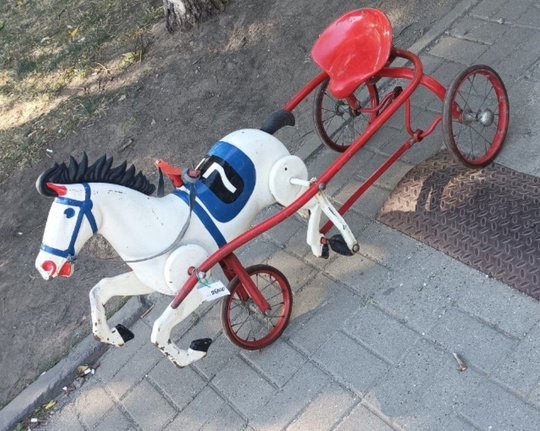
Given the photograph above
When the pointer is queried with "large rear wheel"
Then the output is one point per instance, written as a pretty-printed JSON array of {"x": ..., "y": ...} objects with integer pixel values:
[
  {"x": 475, "y": 116},
  {"x": 336, "y": 122}
]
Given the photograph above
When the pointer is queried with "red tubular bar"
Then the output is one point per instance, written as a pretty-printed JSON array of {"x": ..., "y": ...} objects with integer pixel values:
[
  {"x": 415, "y": 79},
  {"x": 302, "y": 94},
  {"x": 369, "y": 182},
  {"x": 232, "y": 263}
]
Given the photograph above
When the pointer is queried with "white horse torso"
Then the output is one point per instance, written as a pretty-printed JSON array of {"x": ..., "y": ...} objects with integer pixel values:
[{"x": 232, "y": 190}]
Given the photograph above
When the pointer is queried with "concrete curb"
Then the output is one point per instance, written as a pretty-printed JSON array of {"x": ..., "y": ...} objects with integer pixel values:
[{"x": 50, "y": 384}]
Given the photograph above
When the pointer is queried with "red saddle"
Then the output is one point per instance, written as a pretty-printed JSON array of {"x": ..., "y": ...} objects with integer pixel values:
[{"x": 353, "y": 48}]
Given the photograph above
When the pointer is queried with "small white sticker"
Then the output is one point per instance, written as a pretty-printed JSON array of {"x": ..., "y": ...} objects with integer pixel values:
[{"x": 213, "y": 290}]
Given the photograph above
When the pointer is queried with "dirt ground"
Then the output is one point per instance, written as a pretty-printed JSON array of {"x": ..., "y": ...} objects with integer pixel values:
[{"x": 190, "y": 90}]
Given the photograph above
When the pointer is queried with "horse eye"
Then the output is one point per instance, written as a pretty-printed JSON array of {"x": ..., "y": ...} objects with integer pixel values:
[{"x": 70, "y": 212}]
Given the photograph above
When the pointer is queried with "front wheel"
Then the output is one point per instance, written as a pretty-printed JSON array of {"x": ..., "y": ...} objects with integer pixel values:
[
  {"x": 242, "y": 320},
  {"x": 475, "y": 116}
]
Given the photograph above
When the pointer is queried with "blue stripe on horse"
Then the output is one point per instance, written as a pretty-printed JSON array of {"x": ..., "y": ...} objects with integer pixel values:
[
  {"x": 204, "y": 218},
  {"x": 227, "y": 181}
]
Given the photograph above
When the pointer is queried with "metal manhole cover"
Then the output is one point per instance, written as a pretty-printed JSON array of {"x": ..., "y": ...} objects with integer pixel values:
[{"x": 488, "y": 219}]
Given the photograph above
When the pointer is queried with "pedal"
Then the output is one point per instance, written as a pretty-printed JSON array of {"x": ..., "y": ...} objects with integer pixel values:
[
  {"x": 338, "y": 244},
  {"x": 125, "y": 333}
]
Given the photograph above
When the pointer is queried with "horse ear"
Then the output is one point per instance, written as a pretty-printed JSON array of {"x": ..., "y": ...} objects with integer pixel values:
[
  {"x": 50, "y": 190},
  {"x": 59, "y": 189}
]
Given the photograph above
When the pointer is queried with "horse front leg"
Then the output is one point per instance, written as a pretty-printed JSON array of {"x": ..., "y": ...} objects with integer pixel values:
[
  {"x": 161, "y": 332},
  {"x": 122, "y": 285}
]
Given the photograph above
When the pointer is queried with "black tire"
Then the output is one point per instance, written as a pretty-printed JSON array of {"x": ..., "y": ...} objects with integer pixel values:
[
  {"x": 475, "y": 116},
  {"x": 243, "y": 323},
  {"x": 336, "y": 123}
]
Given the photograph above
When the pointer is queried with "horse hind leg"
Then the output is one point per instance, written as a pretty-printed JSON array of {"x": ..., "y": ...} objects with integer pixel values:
[
  {"x": 161, "y": 333},
  {"x": 122, "y": 285}
]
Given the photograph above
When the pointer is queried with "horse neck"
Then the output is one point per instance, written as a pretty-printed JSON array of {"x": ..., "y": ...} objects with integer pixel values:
[{"x": 133, "y": 223}]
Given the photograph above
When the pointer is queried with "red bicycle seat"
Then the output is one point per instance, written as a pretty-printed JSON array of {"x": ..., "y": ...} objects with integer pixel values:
[{"x": 353, "y": 48}]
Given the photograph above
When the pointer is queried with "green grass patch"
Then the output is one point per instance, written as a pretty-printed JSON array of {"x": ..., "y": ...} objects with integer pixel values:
[{"x": 52, "y": 49}]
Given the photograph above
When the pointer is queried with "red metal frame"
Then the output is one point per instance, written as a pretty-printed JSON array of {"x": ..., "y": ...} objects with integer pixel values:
[{"x": 225, "y": 255}]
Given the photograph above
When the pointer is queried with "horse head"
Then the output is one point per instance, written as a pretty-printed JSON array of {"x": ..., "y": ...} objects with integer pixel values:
[
  {"x": 73, "y": 219},
  {"x": 70, "y": 224}
]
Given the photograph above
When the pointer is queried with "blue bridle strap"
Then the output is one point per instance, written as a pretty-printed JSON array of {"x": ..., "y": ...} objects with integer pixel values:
[{"x": 85, "y": 210}]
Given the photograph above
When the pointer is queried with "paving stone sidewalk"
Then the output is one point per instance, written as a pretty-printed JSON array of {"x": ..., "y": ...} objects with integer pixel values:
[{"x": 371, "y": 341}]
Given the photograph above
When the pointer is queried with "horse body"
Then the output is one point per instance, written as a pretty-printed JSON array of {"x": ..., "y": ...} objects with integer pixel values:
[{"x": 233, "y": 188}]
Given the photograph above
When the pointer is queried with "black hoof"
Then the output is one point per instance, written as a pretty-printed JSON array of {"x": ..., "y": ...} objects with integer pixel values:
[
  {"x": 201, "y": 345},
  {"x": 338, "y": 244},
  {"x": 125, "y": 333},
  {"x": 325, "y": 251}
]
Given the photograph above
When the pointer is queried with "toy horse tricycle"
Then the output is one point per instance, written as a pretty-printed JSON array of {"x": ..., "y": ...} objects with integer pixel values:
[{"x": 172, "y": 242}]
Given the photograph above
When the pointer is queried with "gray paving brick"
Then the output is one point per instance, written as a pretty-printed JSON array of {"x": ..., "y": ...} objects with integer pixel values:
[
  {"x": 204, "y": 407},
  {"x": 148, "y": 407},
  {"x": 479, "y": 345},
  {"x": 386, "y": 246},
  {"x": 92, "y": 403},
  {"x": 278, "y": 362},
  {"x": 325, "y": 410},
  {"x": 372, "y": 161},
  {"x": 534, "y": 396},
  {"x": 115, "y": 420},
  {"x": 531, "y": 16},
  {"x": 386, "y": 136},
  {"x": 283, "y": 231},
  {"x": 381, "y": 333},
  {"x": 116, "y": 357},
  {"x": 513, "y": 62},
  {"x": 458, "y": 50},
  {"x": 179, "y": 385},
  {"x": 479, "y": 30},
  {"x": 320, "y": 310},
  {"x": 134, "y": 370},
  {"x": 425, "y": 391},
  {"x": 363, "y": 419},
  {"x": 243, "y": 386},
  {"x": 220, "y": 353},
  {"x": 495, "y": 9},
  {"x": 225, "y": 420},
  {"x": 64, "y": 420},
  {"x": 488, "y": 299},
  {"x": 289, "y": 401},
  {"x": 256, "y": 251},
  {"x": 447, "y": 71},
  {"x": 351, "y": 363},
  {"x": 369, "y": 204},
  {"x": 420, "y": 308},
  {"x": 359, "y": 273},
  {"x": 520, "y": 370},
  {"x": 491, "y": 407},
  {"x": 296, "y": 270}
]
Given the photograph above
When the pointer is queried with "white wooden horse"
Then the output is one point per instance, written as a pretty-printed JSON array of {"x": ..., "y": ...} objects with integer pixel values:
[
  {"x": 233, "y": 188},
  {"x": 163, "y": 238}
]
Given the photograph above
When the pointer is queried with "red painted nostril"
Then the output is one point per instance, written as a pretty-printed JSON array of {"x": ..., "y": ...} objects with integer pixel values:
[{"x": 49, "y": 266}]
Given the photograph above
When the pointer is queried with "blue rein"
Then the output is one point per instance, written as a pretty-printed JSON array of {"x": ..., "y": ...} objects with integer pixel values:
[{"x": 85, "y": 210}]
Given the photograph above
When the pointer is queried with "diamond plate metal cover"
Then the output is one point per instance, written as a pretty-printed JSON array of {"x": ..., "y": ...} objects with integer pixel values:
[{"x": 489, "y": 219}]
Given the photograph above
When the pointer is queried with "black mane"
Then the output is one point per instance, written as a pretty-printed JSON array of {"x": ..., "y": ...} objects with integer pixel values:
[{"x": 99, "y": 172}]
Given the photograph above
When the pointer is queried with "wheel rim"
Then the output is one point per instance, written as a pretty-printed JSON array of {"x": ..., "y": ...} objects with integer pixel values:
[
  {"x": 336, "y": 123},
  {"x": 244, "y": 324},
  {"x": 479, "y": 117}
]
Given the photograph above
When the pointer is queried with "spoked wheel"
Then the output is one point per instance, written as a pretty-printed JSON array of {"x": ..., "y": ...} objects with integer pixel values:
[
  {"x": 475, "y": 116},
  {"x": 336, "y": 122},
  {"x": 242, "y": 320}
]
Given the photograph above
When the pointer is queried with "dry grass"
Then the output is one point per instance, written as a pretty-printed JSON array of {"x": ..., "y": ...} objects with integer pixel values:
[{"x": 56, "y": 59}]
